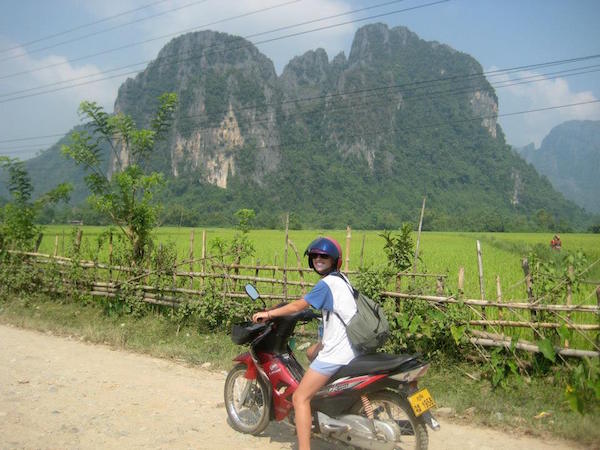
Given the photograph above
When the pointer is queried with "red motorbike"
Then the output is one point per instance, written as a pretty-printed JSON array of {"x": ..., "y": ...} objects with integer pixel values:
[{"x": 371, "y": 403}]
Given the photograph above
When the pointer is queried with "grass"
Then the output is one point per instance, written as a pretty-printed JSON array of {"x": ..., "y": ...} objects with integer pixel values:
[
  {"x": 534, "y": 406},
  {"x": 513, "y": 408}
]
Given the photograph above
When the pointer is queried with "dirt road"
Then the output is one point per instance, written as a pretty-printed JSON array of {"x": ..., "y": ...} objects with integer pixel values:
[{"x": 58, "y": 392}]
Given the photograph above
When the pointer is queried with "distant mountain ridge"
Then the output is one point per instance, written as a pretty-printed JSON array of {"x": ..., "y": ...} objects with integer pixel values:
[
  {"x": 570, "y": 157},
  {"x": 353, "y": 140}
]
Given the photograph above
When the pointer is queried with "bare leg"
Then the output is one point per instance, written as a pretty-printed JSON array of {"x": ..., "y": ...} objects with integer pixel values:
[{"x": 308, "y": 387}]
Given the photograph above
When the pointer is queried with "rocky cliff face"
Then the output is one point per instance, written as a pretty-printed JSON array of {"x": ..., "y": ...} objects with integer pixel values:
[
  {"x": 220, "y": 80},
  {"x": 232, "y": 103}
]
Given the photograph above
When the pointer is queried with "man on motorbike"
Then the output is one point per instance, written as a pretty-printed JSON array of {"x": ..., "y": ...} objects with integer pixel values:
[{"x": 330, "y": 295}]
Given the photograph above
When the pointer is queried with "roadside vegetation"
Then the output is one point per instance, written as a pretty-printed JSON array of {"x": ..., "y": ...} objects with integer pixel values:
[
  {"x": 539, "y": 393},
  {"x": 504, "y": 388},
  {"x": 532, "y": 405}
]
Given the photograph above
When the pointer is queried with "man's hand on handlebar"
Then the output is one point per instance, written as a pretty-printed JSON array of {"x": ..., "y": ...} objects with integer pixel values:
[{"x": 261, "y": 316}]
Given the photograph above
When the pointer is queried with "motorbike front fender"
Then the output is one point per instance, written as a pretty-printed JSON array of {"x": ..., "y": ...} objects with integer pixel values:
[{"x": 245, "y": 358}]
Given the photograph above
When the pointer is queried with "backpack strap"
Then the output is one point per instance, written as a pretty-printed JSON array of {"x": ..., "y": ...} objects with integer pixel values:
[
  {"x": 352, "y": 290},
  {"x": 343, "y": 277}
]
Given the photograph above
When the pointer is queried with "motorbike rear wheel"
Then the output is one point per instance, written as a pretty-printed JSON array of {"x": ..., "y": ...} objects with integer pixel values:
[
  {"x": 246, "y": 401},
  {"x": 389, "y": 405}
]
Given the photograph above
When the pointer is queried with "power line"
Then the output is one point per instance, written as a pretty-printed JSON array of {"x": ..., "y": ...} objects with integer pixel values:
[
  {"x": 79, "y": 27},
  {"x": 32, "y": 138},
  {"x": 250, "y": 44},
  {"x": 15, "y": 150},
  {"x": 187, "y": 30},
  {"x": 200, "y": 27},
  {"x": 106, "y": 30},
  {"x": 250, "y": 13},
  {"x": 435, "y": 125},
  {"x": 412, "y": 85},
  {"x": 426, "y": 125},
  {"x": 430, "y": 125},
  {"x": 362, "y": 105}
]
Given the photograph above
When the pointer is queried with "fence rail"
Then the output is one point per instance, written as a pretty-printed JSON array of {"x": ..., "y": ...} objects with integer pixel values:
[{"x": 288, "y": 281}]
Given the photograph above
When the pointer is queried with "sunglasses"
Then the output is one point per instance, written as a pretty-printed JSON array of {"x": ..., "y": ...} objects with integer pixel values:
[{"x": 319, "y": 255}]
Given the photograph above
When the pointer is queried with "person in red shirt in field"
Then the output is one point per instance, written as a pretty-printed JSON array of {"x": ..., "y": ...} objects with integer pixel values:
[{"x": 555, "y": 243}]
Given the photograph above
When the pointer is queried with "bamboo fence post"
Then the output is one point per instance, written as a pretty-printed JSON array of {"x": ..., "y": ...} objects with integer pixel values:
[
  {"x": 175, "y": 272},
  {"x": 174, "y": 285},
  {"x": 571, "y": 273},
  {"x": 348, "y": 237},
  {"x": 62, "y": 250},
  {"x": 418, "y": 238},
  {"x": 56, "y": 246},
  {"x": 110, "y": 254},
  {"x": 362, "y": 251},
  {"x": 480, "y": 267},
  {"x": 299, "y": 262},
  {"x": 274, "y": 272},
  {"x": 257, "y": 268},
  {"x": 529, "y": 286},
  {"x": 191, "y": 257},
  {"x": 499, "y": 295},
  {"x": 439, "y": 286},
  {"x": 461, "y": 282},
  {"x": 481, "y": 284},
  {"x": 439, "y": 289},
  {"x": 285, "y": 254},
  {"x": 203, "y": 256},
  {"x": 78, "y": 240},
  {"x": 598, "y": 300},
  {"x": 148, "y": 268}
]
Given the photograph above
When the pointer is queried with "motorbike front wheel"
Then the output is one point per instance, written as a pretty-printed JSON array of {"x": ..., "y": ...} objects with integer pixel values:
[
  {"x": 390, "y": 406},
  {"x": 246, "y": 401}
]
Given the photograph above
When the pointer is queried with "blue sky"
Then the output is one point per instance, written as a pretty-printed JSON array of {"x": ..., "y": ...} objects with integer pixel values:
[{"x": 499, "y": 34}]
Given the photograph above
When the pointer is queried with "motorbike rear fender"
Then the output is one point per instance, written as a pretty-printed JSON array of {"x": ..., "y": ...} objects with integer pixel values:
[
  {"x": 245, "y": 358},
  {"x": 407, "y": 389}
]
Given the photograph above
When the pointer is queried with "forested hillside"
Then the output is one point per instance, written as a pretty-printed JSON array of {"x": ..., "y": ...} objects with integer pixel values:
[
  {"x": 357, "y": 139},
  {"x": 570, "y": 157}
]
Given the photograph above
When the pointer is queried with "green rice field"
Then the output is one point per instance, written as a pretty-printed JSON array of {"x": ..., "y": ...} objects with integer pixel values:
[{"x": 440, "y": 252}]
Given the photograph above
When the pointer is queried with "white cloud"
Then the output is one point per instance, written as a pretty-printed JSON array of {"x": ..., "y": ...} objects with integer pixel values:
[
  {"x": 51, "y": 112},
  {"x": 545, "y": 92}
]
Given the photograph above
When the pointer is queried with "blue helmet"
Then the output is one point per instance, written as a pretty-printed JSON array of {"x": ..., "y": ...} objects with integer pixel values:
[{"x": 325, "y": 246}]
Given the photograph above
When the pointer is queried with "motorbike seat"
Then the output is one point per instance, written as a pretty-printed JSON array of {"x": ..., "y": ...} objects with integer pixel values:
[{"x": 375, "y": 363}]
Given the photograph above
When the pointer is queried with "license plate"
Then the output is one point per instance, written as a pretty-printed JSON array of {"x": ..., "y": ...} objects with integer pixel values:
[{"x": 421, "y": 402}]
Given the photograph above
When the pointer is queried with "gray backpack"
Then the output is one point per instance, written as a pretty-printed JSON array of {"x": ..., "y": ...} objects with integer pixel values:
[{"x": 368, "y": 329}]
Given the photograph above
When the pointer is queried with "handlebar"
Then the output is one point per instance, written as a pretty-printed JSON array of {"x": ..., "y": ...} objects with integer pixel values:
[{"x": 307, "y": 315}]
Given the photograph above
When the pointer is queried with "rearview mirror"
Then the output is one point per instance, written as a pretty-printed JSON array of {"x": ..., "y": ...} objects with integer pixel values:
[{"x": 252, "y": 292}]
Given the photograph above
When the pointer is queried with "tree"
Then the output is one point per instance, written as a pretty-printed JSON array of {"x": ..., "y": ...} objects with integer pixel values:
[
  {"x": 18, "y": 225},
  {"x": 244, "y": 217},
  {"x": 399, "y": 248},
  {"x": 125, "y": 196}
]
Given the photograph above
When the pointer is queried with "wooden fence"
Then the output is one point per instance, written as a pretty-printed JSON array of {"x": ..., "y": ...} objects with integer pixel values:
[{"x": 491, "y": 324}]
